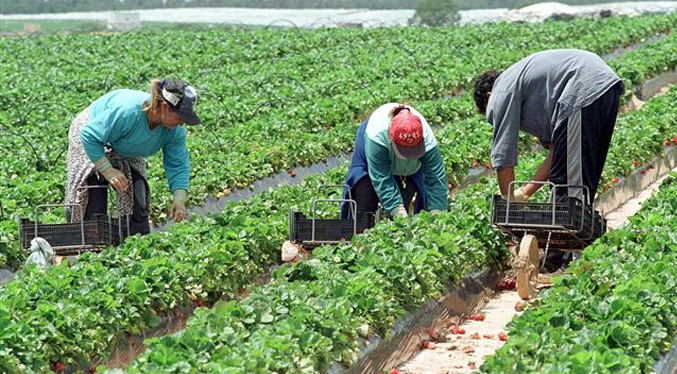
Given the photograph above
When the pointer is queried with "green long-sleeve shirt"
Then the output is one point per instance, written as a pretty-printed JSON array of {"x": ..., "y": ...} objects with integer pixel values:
[{"x": 382, "y": 163}]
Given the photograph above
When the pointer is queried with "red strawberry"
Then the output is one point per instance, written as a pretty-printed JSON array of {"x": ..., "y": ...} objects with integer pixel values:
[
  {"x": 461, "y": 330},
  {"x": 59, "y": 367},
  {"x": 615, "y": 180},
  {"x": 666, "y": 142},
  {"x": 394, "y": 371},
  {"x": 432, "y": 334},
  {"x": 507, "y": 284},
  {"x": 477, "y": 317},
  {"x": 502, "y": 337},
  {"x": 429, "y": 345},
  {"x": 292, "y": 173},
  {"x": 674, "y": 139}
]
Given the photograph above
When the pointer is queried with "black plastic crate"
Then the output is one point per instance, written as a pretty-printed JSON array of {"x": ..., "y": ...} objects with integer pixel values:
[
  {"x": 575, "y": 226},
  {"x": 114, "y": 232},
  {"x": 66, "y": 238},
  {"x": 327, "y": 230}
]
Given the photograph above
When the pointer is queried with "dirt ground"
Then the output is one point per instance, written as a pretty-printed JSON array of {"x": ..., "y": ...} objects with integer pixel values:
[{"x": 462, "y": 353}]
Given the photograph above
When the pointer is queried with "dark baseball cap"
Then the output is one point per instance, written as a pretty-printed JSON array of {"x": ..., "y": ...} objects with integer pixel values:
[{"x": 182, "y": 98}]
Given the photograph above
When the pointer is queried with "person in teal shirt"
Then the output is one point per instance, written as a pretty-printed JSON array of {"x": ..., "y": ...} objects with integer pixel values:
[
  {"x": 110, "y": 141},
  {"x": 396, "y": 157}
]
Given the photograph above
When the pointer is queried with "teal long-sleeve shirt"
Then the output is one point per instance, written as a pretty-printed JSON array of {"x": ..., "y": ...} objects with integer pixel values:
[
  {"x": 382, "y": 164},
  {"x": 382, "y": 168},
  {"x": 117, "y": 120}
]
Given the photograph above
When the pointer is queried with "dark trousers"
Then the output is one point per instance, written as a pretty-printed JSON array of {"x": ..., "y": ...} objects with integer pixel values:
[
  {"x": 582, "y": 144},
  {"x": 367, "y": 200},
  {"x": 588, "y": 137},
  {"x": 98, "y": 202}
]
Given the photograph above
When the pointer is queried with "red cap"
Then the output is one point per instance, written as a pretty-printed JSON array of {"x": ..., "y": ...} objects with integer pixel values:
[{"x": 406, "y": 133}]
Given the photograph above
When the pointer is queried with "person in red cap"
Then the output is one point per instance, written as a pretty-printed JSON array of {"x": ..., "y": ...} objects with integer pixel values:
[
  {"x": 396, "y": 157},
  {"x": 109, "y": 141}
]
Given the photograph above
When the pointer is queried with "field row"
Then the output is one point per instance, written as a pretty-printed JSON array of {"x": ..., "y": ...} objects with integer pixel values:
[
  {"x": 270, "y": 99},
  {"x": 21, "y": 194},
  {"x": 96, "y": 301},
  {"x": 317, "y": 309}
]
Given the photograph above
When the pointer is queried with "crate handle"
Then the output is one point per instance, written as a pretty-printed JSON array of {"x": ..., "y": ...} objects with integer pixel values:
[
  {"x": 110, "y": 222},
  {"x": 82, "y": 221},
  {"x": 553, "y": 200},
  {"x": 352, "y": 203},
  {"x": 343, "y": 186},
  {"x": 586, "y": 202},
  {"x": 511, "y": 187},
  {"x": 328, "y": 186}
]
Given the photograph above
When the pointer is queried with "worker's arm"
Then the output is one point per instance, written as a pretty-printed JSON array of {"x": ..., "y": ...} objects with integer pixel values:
[
  {"x": 101, "y": 130},
  {"x": 542, "y": 174},
  {"x": 380, "y": 169},
  {"x": 435, "y": 178},
  {"x": 505, "y": 175},
  {"x": 105, "y": 128},
  {"x": 176, "y": 161},
  {"x": 177, "y": 168},
  {"x": 504, "y": 113}
]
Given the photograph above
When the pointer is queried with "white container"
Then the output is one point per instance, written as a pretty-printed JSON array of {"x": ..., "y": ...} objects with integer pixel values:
[{"x": 123, "y": 21}]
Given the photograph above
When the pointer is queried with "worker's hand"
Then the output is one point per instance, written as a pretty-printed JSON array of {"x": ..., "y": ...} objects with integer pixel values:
[
  {"x": 399, "y": 212},
  {"x": 520, "y": 196},
  {"x": 435, "y": 212},
  {"x": 179, "y": 212},
  {"x": 116, "y": 179}
]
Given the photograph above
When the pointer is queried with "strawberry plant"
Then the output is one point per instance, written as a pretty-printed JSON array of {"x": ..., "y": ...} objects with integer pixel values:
[
  {"x": 613, "y": 311},
  {"x": 372, "y": 281}
]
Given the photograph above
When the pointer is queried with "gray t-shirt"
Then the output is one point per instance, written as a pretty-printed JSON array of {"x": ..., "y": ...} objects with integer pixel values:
[{"x": 538, "y": 93}]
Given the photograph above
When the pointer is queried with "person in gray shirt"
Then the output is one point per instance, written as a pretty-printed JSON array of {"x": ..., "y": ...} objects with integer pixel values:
[{"x": 566, "y": 98}]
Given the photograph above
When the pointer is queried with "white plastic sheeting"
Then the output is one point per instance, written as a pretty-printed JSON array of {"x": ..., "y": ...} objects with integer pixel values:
[{"x": 364, "y": 17}]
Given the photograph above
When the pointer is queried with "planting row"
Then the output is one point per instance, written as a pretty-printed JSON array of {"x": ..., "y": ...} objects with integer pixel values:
[
  {"x": 271, "y": 99},
  {"x": 614, "y": 311},
  {"x": 650, "y": 60},
  {"x": 468, "y": 150},
  {"x": 310, "y": 316},
  {"x": 71, "y": 314}
]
